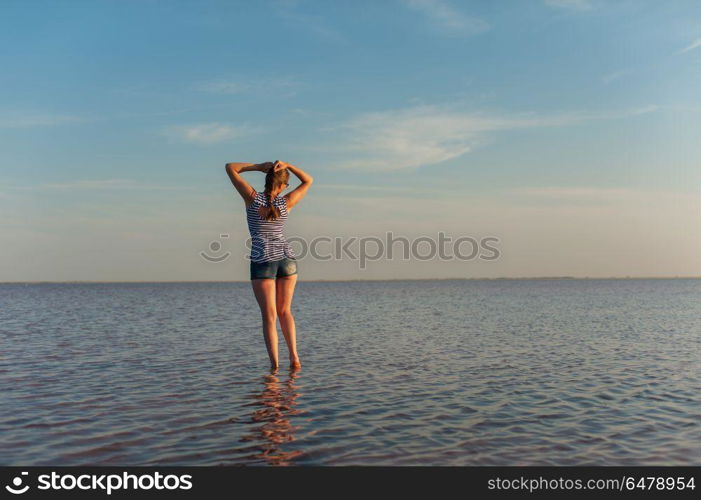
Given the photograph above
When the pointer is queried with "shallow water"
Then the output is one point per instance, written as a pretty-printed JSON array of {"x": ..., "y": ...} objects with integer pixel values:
[{"x": 525, "y": 372}]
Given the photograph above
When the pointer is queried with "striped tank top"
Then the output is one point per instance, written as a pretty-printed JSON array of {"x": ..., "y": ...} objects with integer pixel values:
[{"x": 268, "y": 242}]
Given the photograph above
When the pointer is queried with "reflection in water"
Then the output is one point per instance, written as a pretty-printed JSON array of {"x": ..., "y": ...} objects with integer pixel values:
[{"x": 274, "y": 405}]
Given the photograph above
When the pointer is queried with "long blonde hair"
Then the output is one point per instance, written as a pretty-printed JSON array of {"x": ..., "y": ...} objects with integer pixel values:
[{"x": 273, "y": 180}]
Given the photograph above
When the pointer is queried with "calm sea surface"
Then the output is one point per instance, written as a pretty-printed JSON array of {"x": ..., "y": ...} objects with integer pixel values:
[{"x": 561, "y": 372}]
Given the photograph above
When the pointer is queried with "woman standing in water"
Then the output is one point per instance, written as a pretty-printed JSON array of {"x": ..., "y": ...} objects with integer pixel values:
[{"x": 273, "y": 264}]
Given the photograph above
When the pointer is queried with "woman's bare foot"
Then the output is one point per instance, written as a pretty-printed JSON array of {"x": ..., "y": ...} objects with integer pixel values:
[{"x": 295, "y": 363}]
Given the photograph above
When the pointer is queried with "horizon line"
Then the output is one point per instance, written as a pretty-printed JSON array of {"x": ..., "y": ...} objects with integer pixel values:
[{"x": 504, "y": 278}]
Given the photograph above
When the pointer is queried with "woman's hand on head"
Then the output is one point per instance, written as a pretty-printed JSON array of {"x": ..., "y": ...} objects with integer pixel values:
[
  {"x": 265, "y": 166},
  {"x": 279, "y": 165}
]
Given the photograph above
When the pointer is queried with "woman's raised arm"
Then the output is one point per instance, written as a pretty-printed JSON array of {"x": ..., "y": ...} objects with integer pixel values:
[
  {"x": 295, "y": 196},
  {"x": 244, "y": 188}
]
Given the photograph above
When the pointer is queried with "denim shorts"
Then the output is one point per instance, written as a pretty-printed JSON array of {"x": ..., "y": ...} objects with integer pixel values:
[{"x": 275, "y": 269}]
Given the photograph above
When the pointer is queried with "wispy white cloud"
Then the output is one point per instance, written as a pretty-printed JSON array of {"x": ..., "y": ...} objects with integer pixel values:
[
  {"x": 207, "y": 133},
  {"x": 610, "y": 77},
  {"x": 572, "y": 193},
  {"x": 96, "y": 184},
  {"x": 307, "y": 23},
  {"x": 570, "y": 4},
  {"x": 642, "y": 110},
  {"x": 284, "y": 86},
  {"x": 225, "y": 87},
  {"x": 693, "y": 45},
  {"x": 410, "y": 138},
  {"x": 446, "y": 19},
  {"x": 32, "y": 119},
  {"x": 370, "y": 187},
  {"x": 601, "y": 196},
  {"x": 427, "y": 135}
]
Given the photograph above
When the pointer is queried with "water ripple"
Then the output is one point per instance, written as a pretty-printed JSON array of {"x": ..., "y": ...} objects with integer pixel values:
[{"x": 596, "y": 372}]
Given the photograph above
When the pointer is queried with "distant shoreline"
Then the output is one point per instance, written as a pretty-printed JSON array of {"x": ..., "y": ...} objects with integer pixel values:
[{"x": 534, "y": 278}]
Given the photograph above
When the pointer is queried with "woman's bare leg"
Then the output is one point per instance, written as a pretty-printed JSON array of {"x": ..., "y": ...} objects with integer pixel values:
[
  {"x": 285, "y": 289},
  {"x": 264, "y": 290}
]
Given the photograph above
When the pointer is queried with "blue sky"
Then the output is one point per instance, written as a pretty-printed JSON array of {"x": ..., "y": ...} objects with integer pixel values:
[{"x": 567, "y": 128}]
